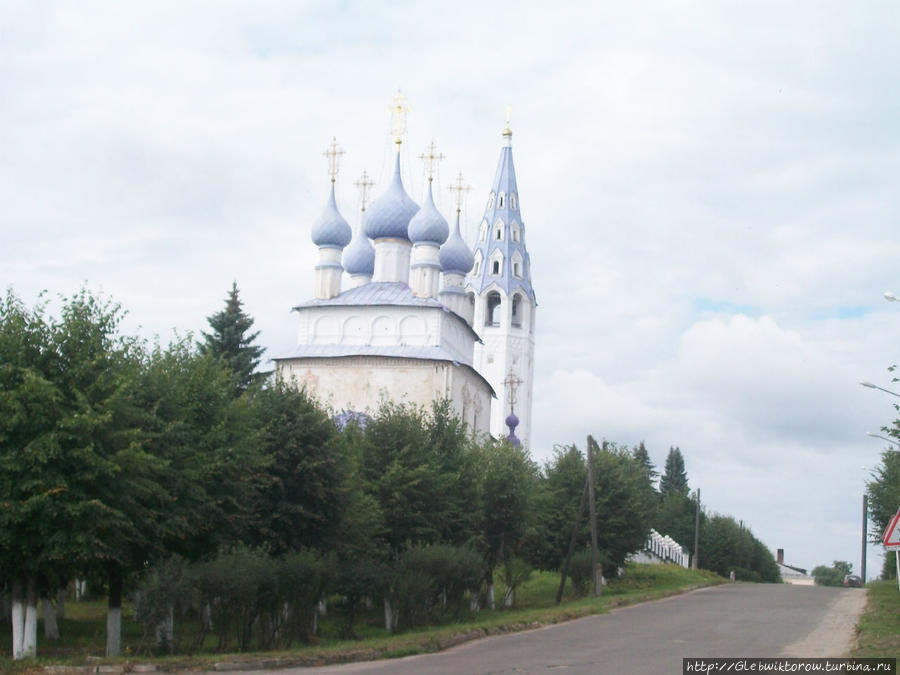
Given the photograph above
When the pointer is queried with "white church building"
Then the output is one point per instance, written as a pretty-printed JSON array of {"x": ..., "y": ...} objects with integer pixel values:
[{"x": 405, "y": 310}]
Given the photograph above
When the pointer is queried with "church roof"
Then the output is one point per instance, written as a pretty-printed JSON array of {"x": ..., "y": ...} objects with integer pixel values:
[
  {"x": 428, "y": 225},
  {"x": 503, "y": 209},
  {"x": 389, "y": 215},
  {"x": 330, "y": 228},
  {"x": 384, "y": 293},
  {"x": 455, "y": 256},
  {"x": 394, "y": 293},
  {"x": 359, "y": 256}
]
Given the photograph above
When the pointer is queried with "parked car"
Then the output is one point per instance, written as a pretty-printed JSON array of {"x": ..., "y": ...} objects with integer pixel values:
[{"x": 851, "y": 580}]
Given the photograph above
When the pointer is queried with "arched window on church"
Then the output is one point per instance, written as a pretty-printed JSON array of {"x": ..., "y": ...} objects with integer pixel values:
[
  {"x": 490, "y": 200},
  {"x": 517, "y": 310},
  {"x": 517, "y": 270},
  {"x": 500, "y": 203},
  {"x": 492, "y": 309},
  {"x": 495, "y": 268}
]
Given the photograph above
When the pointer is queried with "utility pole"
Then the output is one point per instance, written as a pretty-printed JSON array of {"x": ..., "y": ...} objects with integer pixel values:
[
  {"x": 592, "y": 511},
  {"x": 865, "y": 527},
  {"x": 697, "y": 531}
]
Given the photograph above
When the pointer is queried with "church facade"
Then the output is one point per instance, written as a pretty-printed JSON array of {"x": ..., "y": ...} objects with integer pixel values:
[{"x": 422, "y": 316}]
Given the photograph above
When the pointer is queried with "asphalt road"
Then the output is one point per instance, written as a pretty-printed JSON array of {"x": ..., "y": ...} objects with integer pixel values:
[{"x": 736, "y": 620}]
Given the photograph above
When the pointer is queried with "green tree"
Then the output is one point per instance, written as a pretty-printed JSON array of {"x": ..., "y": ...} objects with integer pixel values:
[
  {"x": 625, "y": 502},
  {"x": 726, "y": 546},
  {"x": 675, "y": 517},
  {"x": 301, "y": 502},
  {"x": 834, "y": 575},
  {"x": 508, "y": 483},
  {"x": 643, "y": 457},
  {"x": 674, "y": 478},
  {"x": 231, "y": 342}
]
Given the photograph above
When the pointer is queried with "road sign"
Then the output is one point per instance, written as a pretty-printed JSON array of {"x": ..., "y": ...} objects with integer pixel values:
[{"x": 891, "y": 536}]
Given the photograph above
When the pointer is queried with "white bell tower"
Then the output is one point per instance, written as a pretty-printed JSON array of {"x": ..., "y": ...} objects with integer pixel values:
[{"x": 504, "y": 300}]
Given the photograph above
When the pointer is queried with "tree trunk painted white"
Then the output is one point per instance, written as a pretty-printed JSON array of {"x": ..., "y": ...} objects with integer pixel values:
[
  {"x": 61, "y": 602},
  {"x": 491, "y": 596},
  {"x": 29, "y": 637},
  {"x": 80, "y": 588},
  {"x": 474, "y": 604},
  {"x": 51, "y": 630},
  {"x": 323, "y": 607},
  {"x": 114, "y": 612},
  {"x": 387, "y": 614},
  {"x": 444, "y": 598},
  {"x": 18, "y": 619},
  {"x": 206, "y": 616},
  {"x": 508, "y": 597},
  {"x": 165, "y": 631},
  {"x": 113, "y": 631}
]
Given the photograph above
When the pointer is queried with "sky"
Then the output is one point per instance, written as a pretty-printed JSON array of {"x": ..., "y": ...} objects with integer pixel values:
[{"x": 709, "y": 194}]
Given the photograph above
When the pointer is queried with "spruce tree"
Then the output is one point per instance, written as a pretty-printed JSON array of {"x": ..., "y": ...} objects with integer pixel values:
[
  {"x": 231, "y": 342},
  {"x": 641, "y": 455},
  {"x": 674, "y": 479}
]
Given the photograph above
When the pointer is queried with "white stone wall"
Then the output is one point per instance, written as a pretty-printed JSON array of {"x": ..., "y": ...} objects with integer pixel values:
[
  {"x": 386, "y": 326},
  {"x": 360, "y": 383}
]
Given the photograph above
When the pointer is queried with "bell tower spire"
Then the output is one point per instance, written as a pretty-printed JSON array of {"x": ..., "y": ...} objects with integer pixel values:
[{"x": 505, "y": 301}]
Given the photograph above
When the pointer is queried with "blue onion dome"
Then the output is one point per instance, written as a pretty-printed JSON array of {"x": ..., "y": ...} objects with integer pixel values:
[
  {"x": 512, "y": 421},
  {"x": 359, "y": 256},
  {"x": 389, "y": 215},
  {"x": 455, "y": 256},
  {"x": 330, "y": 229},
  {"x": 428, "y": 225}
]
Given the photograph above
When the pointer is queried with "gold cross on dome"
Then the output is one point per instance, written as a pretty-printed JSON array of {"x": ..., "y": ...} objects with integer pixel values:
[
  {"x": 399, "y": 110},
  {"x": 460, "y": 188},
  {"x": 364, "y": 183},
  {"x": 507, "y": 131},
  {"x": 431, "y": 161},
  {"x": 512, "y": 384},
  {"x": 333, "y": 153}
]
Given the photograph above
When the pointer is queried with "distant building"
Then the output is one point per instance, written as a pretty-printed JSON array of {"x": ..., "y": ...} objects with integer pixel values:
[{"x": 793, "y": 575}]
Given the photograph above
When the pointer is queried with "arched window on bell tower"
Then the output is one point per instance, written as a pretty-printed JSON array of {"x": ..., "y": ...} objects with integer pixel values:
[{"x": 492, "y": 308}]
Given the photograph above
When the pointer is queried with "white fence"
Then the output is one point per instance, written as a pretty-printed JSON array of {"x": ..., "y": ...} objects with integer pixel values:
[{"x": 662, "y": 549}]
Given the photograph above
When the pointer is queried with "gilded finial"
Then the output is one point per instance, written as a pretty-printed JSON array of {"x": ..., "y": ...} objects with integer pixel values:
[
  {"x": 431, "y": 161},
  {"x": 460, "y": 188},
  {"x": 506, "y": 130},
  {"x": 333, "y": 153},
  {"x": 399, "y": 110},
  {"x": 364, "y": 183}
]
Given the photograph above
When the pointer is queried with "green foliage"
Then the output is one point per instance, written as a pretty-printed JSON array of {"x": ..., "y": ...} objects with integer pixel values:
[
  {"x": 834, "y": 575},
  {"x": 580, "y": 572},
  {"x": 676, "y": 516},
  {"x": 230, "y": 342},
  {"x": 643, "y": 457},
  {"x": 557, "y": 500},
  {"x": 884, "y": 497},
  {"x": 508, "y": 483},
  {"x": 300, "y": 500},
  {"x": 674, "y": 478},
  {"x": 726, "y": 546},
  {"x": 164, "y": 593}
]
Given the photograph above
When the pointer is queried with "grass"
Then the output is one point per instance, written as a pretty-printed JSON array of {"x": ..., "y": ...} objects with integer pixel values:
[
  {"x": 879, "y": 625},
  {"x": 83, "y": 633}
]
